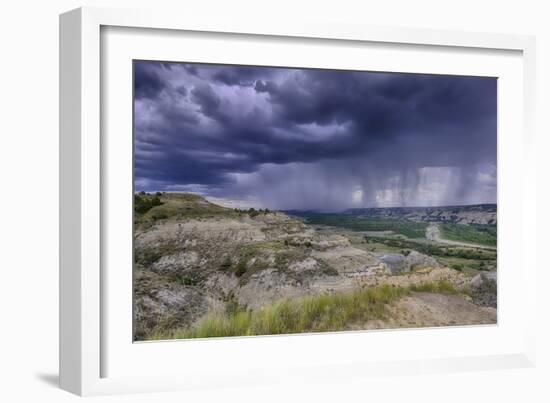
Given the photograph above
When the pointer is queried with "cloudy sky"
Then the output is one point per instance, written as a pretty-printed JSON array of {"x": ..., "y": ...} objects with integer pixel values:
[{"x": 314, "y": 139}]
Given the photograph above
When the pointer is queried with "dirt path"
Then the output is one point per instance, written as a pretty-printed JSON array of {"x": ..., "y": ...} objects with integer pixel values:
[
  {"x": 428, "y": 309},
  {"x": 433, "y": 233}
]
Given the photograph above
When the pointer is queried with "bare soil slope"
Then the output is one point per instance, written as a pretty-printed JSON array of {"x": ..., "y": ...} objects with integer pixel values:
[{"x": 429, "y": 309}]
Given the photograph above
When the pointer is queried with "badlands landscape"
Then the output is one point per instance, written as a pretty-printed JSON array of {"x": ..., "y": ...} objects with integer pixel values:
[{"x": 203, "y": 270}]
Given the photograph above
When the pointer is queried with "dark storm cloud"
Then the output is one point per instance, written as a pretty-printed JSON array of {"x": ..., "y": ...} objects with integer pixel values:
[
  {"x": 207, "y": 99},
  {"x": 148, "y": 82},
  {"x": 225, "y": 127},
  {"x": 240, "y": 75}
]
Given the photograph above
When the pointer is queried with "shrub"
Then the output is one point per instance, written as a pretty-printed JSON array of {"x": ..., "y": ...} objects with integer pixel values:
[
  {"x": 143, "y": 202},
  {"x": 226, "y": 264},
  {"x": 141, "y": 205},
  {"x": 240, "y": 269},
  {"x": 155, "y": 201},
  {"x": 159, "y": 215}
]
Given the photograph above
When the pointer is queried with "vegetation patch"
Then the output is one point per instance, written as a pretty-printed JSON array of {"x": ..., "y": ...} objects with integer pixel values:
[
  {"x": 312, "y": 314},
  {"x": 188, "y": 278},
  {"x": 240, "y": 269},
  {"x": 279, "y": 255},
  {"x": 434, "y": 250},
  {"x": 143, "y": 202},
  {"x": 146, "y": 256},
  {"x": 441, "y": 287},
  {"x": 472, "y": 266},
  {"x": 149, "y": 208},
  {"x": 327, "y": 312},
  {"x": 226, "y": 264},
  {"x": 252, "y": 212},
  {"x": 477, "y": 234},
  {"x": 410, "y": 229}
]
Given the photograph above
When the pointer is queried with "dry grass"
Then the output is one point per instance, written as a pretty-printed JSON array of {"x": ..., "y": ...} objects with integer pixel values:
[{"x": 322, "y": 313}]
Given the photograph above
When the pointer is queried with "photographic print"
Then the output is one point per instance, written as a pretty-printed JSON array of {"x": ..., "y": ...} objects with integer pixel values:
[{"x": 276, "y": 200}]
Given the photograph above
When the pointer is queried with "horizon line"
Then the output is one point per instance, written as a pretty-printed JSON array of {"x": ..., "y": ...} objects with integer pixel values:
[{"x": 318, "y": 210}]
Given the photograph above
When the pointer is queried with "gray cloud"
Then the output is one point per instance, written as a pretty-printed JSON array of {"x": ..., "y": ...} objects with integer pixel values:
[{"x": 304, "y": 138}]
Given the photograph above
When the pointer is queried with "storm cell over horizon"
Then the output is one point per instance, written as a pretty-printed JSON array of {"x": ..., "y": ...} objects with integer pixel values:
[{"x": 312, "y": 139}]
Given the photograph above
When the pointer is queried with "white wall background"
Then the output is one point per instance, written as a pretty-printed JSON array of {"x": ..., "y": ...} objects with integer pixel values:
[{"x": 29, "y": 200}]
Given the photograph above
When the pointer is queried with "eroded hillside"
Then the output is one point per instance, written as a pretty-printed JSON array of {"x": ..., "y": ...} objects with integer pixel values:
[{"x": 194, "y": 259}]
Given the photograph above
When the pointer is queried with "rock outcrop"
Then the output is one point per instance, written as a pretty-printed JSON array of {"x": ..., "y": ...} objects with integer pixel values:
[
  {"x": 399, "y": 263},
  {"x": 484, "y": 289}
]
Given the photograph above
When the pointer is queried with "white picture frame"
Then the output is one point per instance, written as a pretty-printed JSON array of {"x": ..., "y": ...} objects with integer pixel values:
[{"x": 85, "y": 345}]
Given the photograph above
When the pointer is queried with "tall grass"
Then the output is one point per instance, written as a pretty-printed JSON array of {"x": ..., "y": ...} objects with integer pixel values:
[
  {"x": 328, "y": 312},
  {"x": 322, "y": 313}
]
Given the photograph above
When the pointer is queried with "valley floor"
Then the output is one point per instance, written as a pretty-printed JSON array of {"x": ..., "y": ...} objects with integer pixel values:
[{"x": 433, "y": 233}]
